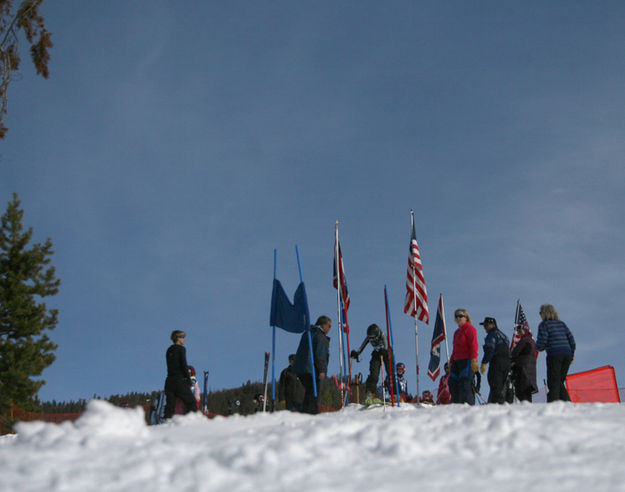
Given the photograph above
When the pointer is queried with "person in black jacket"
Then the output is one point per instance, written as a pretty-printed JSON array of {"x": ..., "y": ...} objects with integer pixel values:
[
  {"x": 497, "y": 355},
  {"x": 178, "y": 382},
  {"x": 379, "y": 356},
  {"x": 290, "y": 390},
  {"x": 523, "y": 358}
]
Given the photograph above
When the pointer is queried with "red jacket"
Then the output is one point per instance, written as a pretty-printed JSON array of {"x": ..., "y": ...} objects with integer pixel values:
[{"x": 465, "y": 343}]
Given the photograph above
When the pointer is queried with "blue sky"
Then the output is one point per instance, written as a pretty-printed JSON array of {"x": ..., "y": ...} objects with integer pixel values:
[{"x": 176, "y": 144}]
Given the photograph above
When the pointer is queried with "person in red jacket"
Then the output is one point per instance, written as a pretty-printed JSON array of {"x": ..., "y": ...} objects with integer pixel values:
[
  {"x": 463, "y": 359},
  {"x": 444, "y": 397}
]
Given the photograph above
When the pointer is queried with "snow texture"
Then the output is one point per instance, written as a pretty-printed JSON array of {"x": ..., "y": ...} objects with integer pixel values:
[{"x": 524, "y": 447}]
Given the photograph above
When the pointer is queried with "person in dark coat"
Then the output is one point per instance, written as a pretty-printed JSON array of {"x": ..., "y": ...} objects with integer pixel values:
[
  {"x": 497, "y": 356},
  {"x": 379, "y": 356},
  {"x": 523, "y": 357},
  {"x": 463, "y": 361},
  {"x": 303, "y": 365},
  {"x": 556, "y": 338},
  {"x": 178, "y": 382},
  {"x": 290, "y": 390}
]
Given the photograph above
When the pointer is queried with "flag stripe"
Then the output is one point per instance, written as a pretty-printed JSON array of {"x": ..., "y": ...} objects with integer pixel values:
[
  {"x": 519, "y": 320},
  {"x": 416, "y": 303}
]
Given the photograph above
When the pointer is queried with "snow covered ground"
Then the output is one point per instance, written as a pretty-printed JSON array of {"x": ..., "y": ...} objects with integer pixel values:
[{"x": 524, "y": 447}]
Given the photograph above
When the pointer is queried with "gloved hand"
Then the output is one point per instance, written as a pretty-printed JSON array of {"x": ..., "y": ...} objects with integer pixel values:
[
  {"x": 474, "y": 365},
  {"x": 354, "y": 354},
  {"x": 483, "y": 368},
  {"x": 282, "y": 404}
]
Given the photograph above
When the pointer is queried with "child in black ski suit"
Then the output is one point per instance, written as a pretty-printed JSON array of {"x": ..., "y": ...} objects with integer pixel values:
[{"x": 380, "y": 353}]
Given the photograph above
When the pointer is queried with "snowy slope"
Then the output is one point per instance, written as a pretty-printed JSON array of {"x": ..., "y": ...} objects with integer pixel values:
[{"x": 513, "y": 447}]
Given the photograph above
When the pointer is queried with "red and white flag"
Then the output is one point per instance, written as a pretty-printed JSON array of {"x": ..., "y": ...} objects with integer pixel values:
[
  {"x": 520, "y": 321},
  {"x": 344, "y": 293},
  {"x": 416, "y": 303}
]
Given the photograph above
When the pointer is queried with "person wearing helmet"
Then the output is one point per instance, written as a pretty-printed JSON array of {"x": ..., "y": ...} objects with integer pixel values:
[
  {"x": 178, "y": 383},
  {"x": 402, "y": 382},
  {"x": 379, "y": 355}
]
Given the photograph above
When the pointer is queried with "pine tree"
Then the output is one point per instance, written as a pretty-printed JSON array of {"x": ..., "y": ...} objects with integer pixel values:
[{"x": 25, "y": 278}]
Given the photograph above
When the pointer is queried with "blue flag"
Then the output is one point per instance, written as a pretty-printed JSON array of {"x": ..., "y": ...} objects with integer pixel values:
[
  {"x": 292, "y": 317},
  {"x": 438, "y": 336}
]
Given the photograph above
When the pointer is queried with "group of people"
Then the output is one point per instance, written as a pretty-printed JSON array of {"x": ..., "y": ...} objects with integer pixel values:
[
  {"x": 519, "y": 363},
  {"x": 299, "y": 383}
]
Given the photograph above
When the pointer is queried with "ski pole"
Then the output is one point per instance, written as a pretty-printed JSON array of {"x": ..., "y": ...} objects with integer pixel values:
[{"x": 383, "y": 390}]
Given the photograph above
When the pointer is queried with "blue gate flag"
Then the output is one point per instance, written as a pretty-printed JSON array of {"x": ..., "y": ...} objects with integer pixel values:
[
  {"x": 292, "y": 317},
  {"x": 438, "y": 336}
]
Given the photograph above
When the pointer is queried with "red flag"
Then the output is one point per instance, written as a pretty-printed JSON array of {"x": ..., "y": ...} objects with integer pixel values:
[
  {"x": 416, "y": 303},
  {"x": 344, "y": 293}
]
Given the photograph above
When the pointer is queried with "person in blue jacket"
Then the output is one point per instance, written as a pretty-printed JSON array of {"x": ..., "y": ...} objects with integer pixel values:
[
  {"x": 556, "y": 338},
  {"x": 303, "y": 365},
  {"x": 497, "y": 356}
]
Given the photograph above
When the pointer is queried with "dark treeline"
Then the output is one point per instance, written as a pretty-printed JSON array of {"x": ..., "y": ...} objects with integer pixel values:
[{"x": 221, "y": 402}]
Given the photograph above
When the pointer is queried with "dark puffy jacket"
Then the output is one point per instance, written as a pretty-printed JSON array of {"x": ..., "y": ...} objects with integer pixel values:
[
  {"x": 524, "y": 357},
  {"x": 555, "y": 337},
  {"x": 321, "y": 353},
  {"x": 496, "y": 343}
]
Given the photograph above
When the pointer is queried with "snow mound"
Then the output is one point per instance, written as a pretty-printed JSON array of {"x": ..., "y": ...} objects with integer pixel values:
[{"x": 559, "y": 446}]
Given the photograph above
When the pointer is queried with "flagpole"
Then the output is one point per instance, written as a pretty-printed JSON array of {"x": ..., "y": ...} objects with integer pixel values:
[
  {"x": 312, "y": 357},
  {"x": 273, "y": 340},
  {"x": 338, "y": 307},
  {"x": 393, "y": 374},
  {"x": 416, "y": 329}
]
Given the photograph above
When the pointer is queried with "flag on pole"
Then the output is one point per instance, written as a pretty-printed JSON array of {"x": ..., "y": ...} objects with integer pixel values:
[
  {"x": 519, "y": 321},
  {"x": 292, "y": 317},
  {"x": 344, "y": 292},
  {"x": 439, "y": 334},
  {"x": 416, "y": 303}
]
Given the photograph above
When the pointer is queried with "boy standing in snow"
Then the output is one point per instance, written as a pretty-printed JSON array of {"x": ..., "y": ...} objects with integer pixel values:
[
  {"x": 379, "y": 356},
  {"x": 497, "y": 355},
  {"x": 178, "y": 382},
  {"x": 303, "y": 366}
]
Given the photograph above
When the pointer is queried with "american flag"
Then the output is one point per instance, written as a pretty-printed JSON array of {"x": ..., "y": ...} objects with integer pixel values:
[
  {"x": 416, "y": 303},
  {"x": 519, "y": 321},
  {"x": 434, "y": 368},
  {"x": 344, "y": 292}
]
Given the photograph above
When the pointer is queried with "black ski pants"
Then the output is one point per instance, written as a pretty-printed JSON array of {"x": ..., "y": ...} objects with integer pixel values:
[
  {"x": 498, "y": 370},
  {"x": 311, "y": 402},
  {"x": 178, "y": 388},
  {"x": 377, "y": 356},
  {"x": 557, "y": 370}
]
